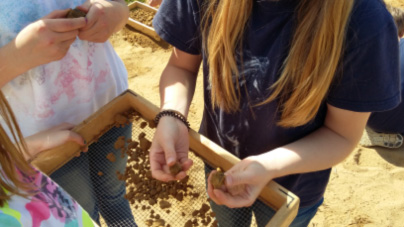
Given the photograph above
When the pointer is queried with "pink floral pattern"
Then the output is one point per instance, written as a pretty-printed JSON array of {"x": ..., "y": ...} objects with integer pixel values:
[{"x": 50, "y": 200}]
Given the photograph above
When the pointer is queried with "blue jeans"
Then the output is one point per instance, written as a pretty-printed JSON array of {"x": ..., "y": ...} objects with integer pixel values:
[
  {"x": 305, "y": 214},
  {"x": 99, "y": 194},
  {"x": 229, "y": 217}
]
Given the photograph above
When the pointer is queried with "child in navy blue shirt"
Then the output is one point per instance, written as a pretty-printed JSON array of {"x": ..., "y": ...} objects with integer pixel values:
[
  {"x": 288, "y": 88},
  {"x": 386, "y": 129}
]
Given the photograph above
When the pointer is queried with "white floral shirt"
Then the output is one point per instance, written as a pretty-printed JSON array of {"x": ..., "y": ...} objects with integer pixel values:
[{"x": 69, "y": 90}]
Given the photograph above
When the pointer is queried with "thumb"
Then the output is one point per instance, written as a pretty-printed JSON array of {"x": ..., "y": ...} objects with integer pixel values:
[
  {"x": 170, "y": 154},
  {"x": 85, "y": 7},
  {"x": 57, "y": 14},
  {"x": 75, "y": 137},
  {"x": 238, "y": 178}
]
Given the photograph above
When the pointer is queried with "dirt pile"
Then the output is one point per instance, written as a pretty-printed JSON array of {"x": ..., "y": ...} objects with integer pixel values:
[
  {"x": 148, "y": 194},
  {"x": 143, "y": 16}
]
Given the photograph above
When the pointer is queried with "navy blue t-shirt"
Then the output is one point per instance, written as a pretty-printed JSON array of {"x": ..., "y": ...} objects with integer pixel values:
[
  {"x": 366, "y": 81},
  {"x": 391, "y": 121}
]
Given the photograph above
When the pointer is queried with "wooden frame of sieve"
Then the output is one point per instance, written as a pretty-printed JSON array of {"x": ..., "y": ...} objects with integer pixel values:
[
  {"x": 284, "y": 202},
  {"x": 140, "y": 26}
]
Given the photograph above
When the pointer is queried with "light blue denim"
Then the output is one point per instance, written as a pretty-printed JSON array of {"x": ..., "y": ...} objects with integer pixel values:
[
  {"x": 99, "y": 194},
  {"x": 305, "y": 214},
  {"x": 242, "y": 217}
]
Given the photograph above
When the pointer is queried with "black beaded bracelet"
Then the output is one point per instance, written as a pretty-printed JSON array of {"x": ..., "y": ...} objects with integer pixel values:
[{"x": 172, "y": 113}]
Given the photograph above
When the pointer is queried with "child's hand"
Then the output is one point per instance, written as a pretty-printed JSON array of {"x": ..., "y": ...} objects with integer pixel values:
[
  {"x": 52, "y": 138},
  {"x": 154, "y": 2},
  {"x": 47, "y": 39},
  {"x": 244, "y": 182},
  {"x": 104, "y": 18},
  {"x": 170, "y": 144}
]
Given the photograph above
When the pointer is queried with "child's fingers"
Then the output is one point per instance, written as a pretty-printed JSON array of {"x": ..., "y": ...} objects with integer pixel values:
[
  {"x": 162, "y": 176},
  {"x": 85, "y": 7},
  {"x": 186, "y": 164},
  {"x": 75, "y": 137},
  {"x": 158, "y": 171},
  {"x": 170, "y": 154},
  {"x": 66, "y": 24},
  {"x": 239, "y": 178},
  {"x": 57, "y": 14},
  {"x": 212, "y": 195},
  {"x": 63, "y": 126},
  {"x": 181, "y": 175},
  {"x": 94, "y": 12},
  {"x": 226, "y": 199}
]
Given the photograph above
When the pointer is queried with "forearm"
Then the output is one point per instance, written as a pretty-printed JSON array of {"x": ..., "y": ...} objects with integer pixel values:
[
  {"x": 11, "y": 63},
  {"x": 177, "y": 87},
  {"x": 177, "y": 82},
  {"x": 320, "y": 150}
]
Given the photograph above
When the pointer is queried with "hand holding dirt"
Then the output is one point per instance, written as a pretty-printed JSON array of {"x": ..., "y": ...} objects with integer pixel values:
[
  {"x": 175, "y": 169},
  {"x": 75, "y": 13},
  {"x": 218, "y": 178}
]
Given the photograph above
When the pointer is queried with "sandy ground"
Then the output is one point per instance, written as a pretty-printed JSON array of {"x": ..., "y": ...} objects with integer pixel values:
[{"x": 364, "y": 190}]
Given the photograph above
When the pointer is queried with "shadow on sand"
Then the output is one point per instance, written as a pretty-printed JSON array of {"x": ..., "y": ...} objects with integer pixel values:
[{"x": 393, "y": 156}]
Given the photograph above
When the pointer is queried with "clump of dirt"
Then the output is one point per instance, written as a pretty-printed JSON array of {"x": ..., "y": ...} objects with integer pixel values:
[
  {"x": 144, "y": 144},
  {"x": 143, "y": 125},
  {"x": 143, "y": 16},
  {"x": 133, "y": 145},
  {"x": 164, "y": 204},
  {"x": 155, "y": 223},
  {"x": 175, "y": 169},
  {"x": 121, "y": 120},
  {"x": 111, "y": 157},
  {"x": 217, "y": 179},
  {"x": 75, "y": 13},
  {"x": 120, "y": 143},
  {"x": 152, "y": 124}
]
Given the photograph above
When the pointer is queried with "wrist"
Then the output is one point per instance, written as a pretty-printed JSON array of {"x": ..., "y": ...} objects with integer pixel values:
[
  {"x": 269, "y": 161},
  {"x": 33, "y": 147},
  {"x": 174, "y": 105},
  {"x": 174, "y": 114}
]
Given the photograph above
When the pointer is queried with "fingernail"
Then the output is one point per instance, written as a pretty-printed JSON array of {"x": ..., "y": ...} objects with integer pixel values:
[{"x": 170, "y": 160}]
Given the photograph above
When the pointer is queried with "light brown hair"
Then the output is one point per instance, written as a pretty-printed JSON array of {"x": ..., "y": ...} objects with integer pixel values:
[
  {"x": 12, "y": 157},
  {"x": 308, "y": 70}
]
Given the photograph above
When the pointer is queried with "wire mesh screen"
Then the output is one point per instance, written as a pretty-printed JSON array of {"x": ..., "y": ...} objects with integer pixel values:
[{"x": 121, "y": 159}]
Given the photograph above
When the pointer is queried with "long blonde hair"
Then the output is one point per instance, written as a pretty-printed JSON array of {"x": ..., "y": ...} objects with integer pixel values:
[
  {"x": 307, "y": 71},
  {"x": 12, "y": 157}
]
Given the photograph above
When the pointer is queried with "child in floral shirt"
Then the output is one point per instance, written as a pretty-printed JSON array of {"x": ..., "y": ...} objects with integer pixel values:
[
  {"x": 28, "y": 197},
  {"x": 49, "y": 206}
]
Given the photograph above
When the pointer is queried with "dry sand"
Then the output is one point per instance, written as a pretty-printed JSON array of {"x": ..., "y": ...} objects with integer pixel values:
[{"x": 364, "y": 190}]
